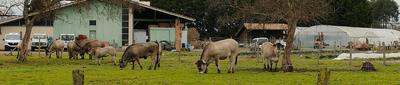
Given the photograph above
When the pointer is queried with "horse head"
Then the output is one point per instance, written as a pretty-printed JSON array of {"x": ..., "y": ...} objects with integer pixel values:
[
  {"x": 122, "y": 63},
  {"x": 201, "y": 66}
]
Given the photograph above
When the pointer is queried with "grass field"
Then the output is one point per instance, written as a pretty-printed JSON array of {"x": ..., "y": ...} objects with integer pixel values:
[{"x": 173, "y": 72}]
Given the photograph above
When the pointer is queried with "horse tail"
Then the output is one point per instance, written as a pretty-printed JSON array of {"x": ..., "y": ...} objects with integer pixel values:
[
  {"x": 158, "y": 54},
  {"x": 124, "y": 54}
]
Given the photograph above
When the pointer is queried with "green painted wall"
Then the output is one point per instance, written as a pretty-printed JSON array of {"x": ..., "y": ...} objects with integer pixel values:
[
  {"x": 75, "y": 20},
  {"x": 162, "y": 33}
]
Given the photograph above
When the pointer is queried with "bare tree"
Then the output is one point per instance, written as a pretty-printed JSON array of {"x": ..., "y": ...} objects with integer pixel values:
[
  {"x": 290, "y": 11},
  {"x": 40, "y": 9},
  {"x": 9, "y": 7}
]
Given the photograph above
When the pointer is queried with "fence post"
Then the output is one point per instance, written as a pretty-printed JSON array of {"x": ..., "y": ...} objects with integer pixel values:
[
  {"x": 384, "y": 53},
  {"x": 351, "y": 53},
  {"x": 323, "y": 76},
  {"x": 78, "y": 77}
]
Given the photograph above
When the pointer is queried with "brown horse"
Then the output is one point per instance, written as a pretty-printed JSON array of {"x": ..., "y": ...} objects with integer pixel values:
[
  {"x": 86, "y": 45},
  {"x": 141, "y": 50},
  {"x": 56, "y": 46},
  {"x": 270, "y": 53},
  {"x": 220, "y": 50},
  {"x": 99, "y": 53}
]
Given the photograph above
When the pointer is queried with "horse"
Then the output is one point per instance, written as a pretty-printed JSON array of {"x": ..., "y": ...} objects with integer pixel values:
[
  {"x": 57, "y": 46},
  {"x": 86, "y": 47},
  {"x": 220, "y": 50},
  {"x": 99, "y": 52},
  {"x": 73, "y": 49},
  {"x": 270, "y": 53},
  {"x": 141, "y": 50}
]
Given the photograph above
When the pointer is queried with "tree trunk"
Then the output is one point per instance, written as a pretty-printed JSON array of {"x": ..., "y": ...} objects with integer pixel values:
[
  {"x": 286, "y": 61},
  {"x": 23, "y": 50}
]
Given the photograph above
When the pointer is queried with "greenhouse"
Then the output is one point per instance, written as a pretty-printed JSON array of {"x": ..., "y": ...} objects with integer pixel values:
[{"x": 341, "y": 35}]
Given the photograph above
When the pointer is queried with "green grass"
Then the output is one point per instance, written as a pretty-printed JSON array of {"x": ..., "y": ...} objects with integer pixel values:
[{"x": 172, "y": 72}]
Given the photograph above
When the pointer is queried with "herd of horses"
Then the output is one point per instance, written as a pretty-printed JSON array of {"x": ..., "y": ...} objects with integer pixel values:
[{"x": 212, "y": 53}]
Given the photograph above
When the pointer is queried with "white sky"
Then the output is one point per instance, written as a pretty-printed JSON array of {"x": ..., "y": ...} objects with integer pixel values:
[{"x": 8, "y": 2}]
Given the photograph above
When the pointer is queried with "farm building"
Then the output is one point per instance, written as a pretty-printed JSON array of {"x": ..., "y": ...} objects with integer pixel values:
[
  {"x": 14, "y": 24},
  {"x": 342, "y": 35},
  {"x": 256, "y": 30},
  {"x": 138, "y": 22}
]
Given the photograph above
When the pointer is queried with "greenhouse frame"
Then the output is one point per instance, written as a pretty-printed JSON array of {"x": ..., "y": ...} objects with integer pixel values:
[{"x": 342, "y": 35}]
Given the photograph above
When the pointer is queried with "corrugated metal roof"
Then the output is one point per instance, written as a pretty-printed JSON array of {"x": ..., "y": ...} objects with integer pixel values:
[
  {"x": 132, "y": 2},
  {"x": 265, "y": 26}
]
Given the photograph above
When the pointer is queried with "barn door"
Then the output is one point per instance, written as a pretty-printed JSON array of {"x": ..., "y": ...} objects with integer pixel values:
[{"x": 92, "y": 34}]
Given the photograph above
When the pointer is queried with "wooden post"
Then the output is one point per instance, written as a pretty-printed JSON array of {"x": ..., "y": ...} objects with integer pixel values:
[
  {"x": 384, "y": 53},
  {"x": 40, "y": 45},
  {"x": 335, "y": 47},
  {"x": 324, "y": 76},
  {"x": 78, "y": 77},
  {"x": 351, "y": 53},
  {"x": 178, "y": 35}
]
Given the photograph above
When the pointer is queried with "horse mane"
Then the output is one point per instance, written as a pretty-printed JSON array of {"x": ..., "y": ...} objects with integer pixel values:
[
  {"x": 123, "y": 55},
  {"x": 204, "y": 50}
]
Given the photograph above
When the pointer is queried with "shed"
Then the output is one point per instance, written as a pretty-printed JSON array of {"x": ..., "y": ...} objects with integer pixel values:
[{"x": 255, "y": 30}]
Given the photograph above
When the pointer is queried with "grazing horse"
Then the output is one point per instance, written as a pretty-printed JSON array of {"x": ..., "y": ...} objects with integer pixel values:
[
  {"x": 219, "y": 50},
  {"x": 73, "y": 49},
  {"x": 99, "y": 53},
  {"x": 92, "y": 44},
  {"x": 141, "y": 50},
  {"x": 270, "y": 53},
  {"x": 56, "y": 46}
]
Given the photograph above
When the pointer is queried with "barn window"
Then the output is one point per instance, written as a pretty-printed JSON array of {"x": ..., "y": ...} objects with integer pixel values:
[{"x": 92, "y": 22}]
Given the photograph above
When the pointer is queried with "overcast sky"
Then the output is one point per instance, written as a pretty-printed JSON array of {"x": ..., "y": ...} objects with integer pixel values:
[{"x": 7, "y": 2}]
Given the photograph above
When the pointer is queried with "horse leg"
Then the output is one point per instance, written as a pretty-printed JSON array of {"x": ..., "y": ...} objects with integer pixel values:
[
  {"x": 98, "y": 60},
  {"x": 276, "y": 66},
  {"x": 113, "y": 58},
  {"x": 61, "y": 53},
  {"x": 266, "y": 66},
  {"x": 155, "y": 62},
  {"x": 133, "y": 64},
  {"x": 232, "y": 61},
  {"x": 270, "y": 65},
  {"x": 216, "y": 64},
  {"x": 141, "y": 67}
]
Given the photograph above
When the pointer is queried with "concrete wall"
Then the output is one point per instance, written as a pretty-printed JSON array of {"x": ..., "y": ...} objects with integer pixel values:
[
  {"x": 17, "y": 29},
  {"x": 74, "y": 20}
]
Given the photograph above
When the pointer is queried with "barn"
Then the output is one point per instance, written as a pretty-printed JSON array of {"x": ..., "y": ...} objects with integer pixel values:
[{"x": 120, "y": 25}]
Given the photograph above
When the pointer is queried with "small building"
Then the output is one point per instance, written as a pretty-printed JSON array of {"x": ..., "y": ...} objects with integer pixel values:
[
  {"x": 120, "y": 25},
  {"x": 250, "y": 31},
  {"x": 15, "y": 24}
]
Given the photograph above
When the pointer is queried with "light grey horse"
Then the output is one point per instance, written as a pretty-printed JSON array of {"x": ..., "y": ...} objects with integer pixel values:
[
  {"x": 101, "y": 52},
  {"x": 56, "y": 46},
  {"x": 220, "y": 50},
  {"x": 270, "y": 53}
]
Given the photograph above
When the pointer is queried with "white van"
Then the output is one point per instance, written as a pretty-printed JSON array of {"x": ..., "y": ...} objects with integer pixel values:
[
  {"x": 11, "y": 40},
  {"x": 39, "y": 40},
  {"x": 66, "y": 38}
]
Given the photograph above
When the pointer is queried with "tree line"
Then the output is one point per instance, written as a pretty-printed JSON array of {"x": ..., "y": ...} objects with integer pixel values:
[{"x": 218, "y": 17}]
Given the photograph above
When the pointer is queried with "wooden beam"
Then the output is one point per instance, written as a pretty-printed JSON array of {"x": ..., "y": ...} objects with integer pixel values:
[
  {"x": 130, "y": 25},
  {"x": 178, "y": 35},
  {"x": 155, "y": 20}
]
